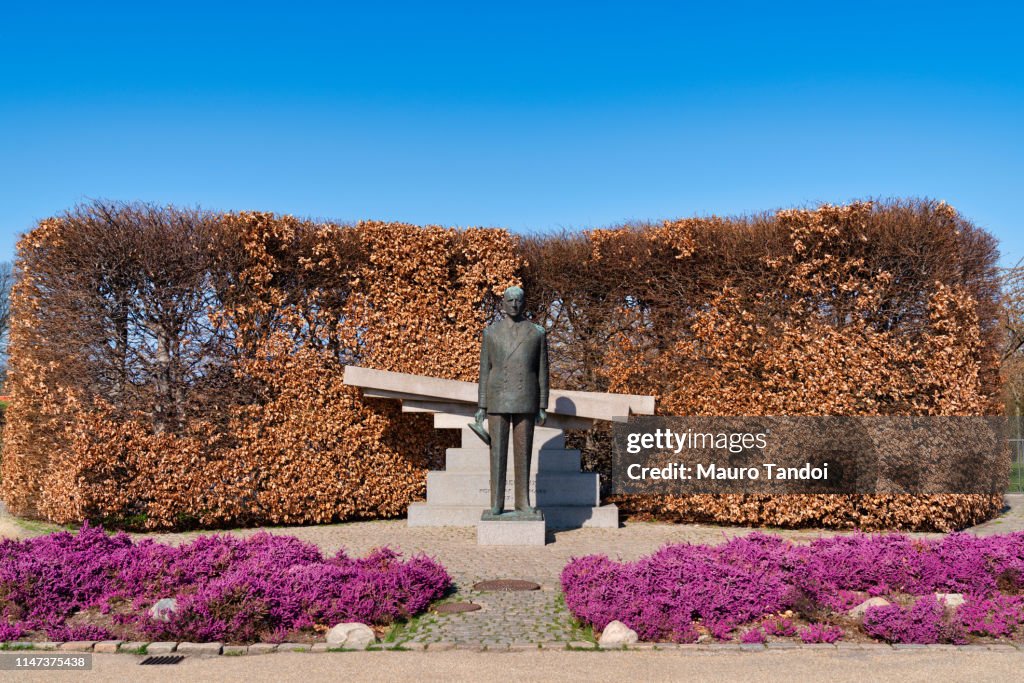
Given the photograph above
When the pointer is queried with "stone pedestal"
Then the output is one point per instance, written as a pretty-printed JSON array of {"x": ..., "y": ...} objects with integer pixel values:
[
  {"x": 510, "y": 533},
  {"x": 568, "y": 497}
]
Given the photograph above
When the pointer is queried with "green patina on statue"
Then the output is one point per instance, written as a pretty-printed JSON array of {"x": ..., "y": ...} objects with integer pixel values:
[{"x": 513, "y": 397}]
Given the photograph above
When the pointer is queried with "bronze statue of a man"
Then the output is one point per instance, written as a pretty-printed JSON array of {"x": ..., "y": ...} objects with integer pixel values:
[{"x": 513, "y": 396}]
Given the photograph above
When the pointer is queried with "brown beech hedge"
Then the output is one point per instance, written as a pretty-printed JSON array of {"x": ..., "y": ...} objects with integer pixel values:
[{"x": 174, "y": 369}]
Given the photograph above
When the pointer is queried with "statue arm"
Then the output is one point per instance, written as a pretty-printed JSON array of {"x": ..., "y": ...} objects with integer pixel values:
[
  {"x": 485, "y": 370},
  {"x": 542, "y": 379},
  {"x": 542, "y": 371}
]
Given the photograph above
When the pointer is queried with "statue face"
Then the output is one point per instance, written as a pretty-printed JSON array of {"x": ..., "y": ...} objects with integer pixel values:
[{"x": 512, "y": 305}]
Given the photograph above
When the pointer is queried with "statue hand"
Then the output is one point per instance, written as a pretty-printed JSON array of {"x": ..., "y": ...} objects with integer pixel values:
[
  {"x": 481, "y": 413},
  {"x": 542, "y": 416}
]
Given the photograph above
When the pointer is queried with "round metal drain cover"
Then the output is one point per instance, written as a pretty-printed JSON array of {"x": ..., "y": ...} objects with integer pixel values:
[
  {"x": 506, "y": 585},
  {"x": 456, "y": 607}
]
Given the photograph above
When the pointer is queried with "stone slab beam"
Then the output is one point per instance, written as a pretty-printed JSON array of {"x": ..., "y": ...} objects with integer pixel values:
[{"x": 405, "y": 387}]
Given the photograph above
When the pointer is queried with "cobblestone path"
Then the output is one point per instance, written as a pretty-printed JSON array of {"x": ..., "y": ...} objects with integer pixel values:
[{"x": 506, "y": 619}]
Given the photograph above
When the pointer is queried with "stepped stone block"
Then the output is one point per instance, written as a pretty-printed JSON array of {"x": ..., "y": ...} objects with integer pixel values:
[
  {"x": 543, "y": 437},
  {"x": 556, "y": 516},
  {"x": 456, "y": 421},
  {"x": 466, "y": 460},
  {"x": 454, "y": 488},
  {"x": 569, "y": 498}
]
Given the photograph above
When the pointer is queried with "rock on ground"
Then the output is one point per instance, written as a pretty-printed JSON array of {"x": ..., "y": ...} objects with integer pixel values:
[
  {"x": 163, "y": 609},
  {"x": 351, "y": 636},
  {"x": 617, "y": 634},
  {"x": 860, "y": 609},
  {"x": 952, "y": 600}
]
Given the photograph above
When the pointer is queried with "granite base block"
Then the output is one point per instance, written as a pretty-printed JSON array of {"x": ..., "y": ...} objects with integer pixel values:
[
  {"x": 510, "y": 533},
  {"x": 557, "y": 517}
]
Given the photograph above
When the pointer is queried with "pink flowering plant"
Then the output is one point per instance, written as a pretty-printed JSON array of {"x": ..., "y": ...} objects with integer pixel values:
[
  {"x": 90, "y": 586},
  {"x": 715, "y": 589},
  {"x": 779, "y": 626},
  {"x": 821, "y": 633},
  {"x": 925, "y": 622},
  {"x": 754, "y": 636}
]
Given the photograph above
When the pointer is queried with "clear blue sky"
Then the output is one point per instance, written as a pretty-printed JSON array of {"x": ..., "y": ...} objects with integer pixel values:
[{"x": 529, "y": 116}]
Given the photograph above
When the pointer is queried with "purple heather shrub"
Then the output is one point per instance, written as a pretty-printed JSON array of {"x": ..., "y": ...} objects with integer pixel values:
[
  {"x": 821, "y": 633},
  {"x": 682, "y": 631},
  {"x": 779, "y": 626},
  {"x": 746, "y": 579},
  {"x": 46, "y": 579},
  {"x": 721, "y": 630},
  {"x": 925, "y": 622},
  {"x": 957, "y": 563},
  {"x": 998, "y": 615},
  {"x": 227, "y": 588},
  {"x": 78, "y": 632},
  {"x": 753, "y": 636},
  {"x": 10, "y": 631},
  {"x": 722, "y": 586}
]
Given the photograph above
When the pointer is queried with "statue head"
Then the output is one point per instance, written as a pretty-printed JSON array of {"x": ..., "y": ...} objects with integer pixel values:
[{"x": 512, "y": 302}]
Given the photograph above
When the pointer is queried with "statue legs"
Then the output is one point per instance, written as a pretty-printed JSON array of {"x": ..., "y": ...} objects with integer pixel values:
[{"x": 498, "y": 425}]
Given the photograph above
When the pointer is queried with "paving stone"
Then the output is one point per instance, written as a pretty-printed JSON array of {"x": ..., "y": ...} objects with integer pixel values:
[
  {"x": 199, "y": 648},
  {"x": 162, "y": 648},
  {"x": 262, "y": 648},
  {"x": 320, "y": 647},
  {"x": 107, "y": 646},
  {"x": 783, "y": 645},
  {"x": 132, "y": 646},
  {"x": 752, "y": 647},
  {"x": 294, "y": 647},
  {"x": 440, "y": 646},
  {"x": 77, "y": 645},
  {"x": 46, "y": 645}
]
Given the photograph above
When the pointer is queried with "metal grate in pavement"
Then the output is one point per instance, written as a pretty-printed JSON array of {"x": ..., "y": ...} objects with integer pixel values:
[{"x": 162, "y": 659}]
